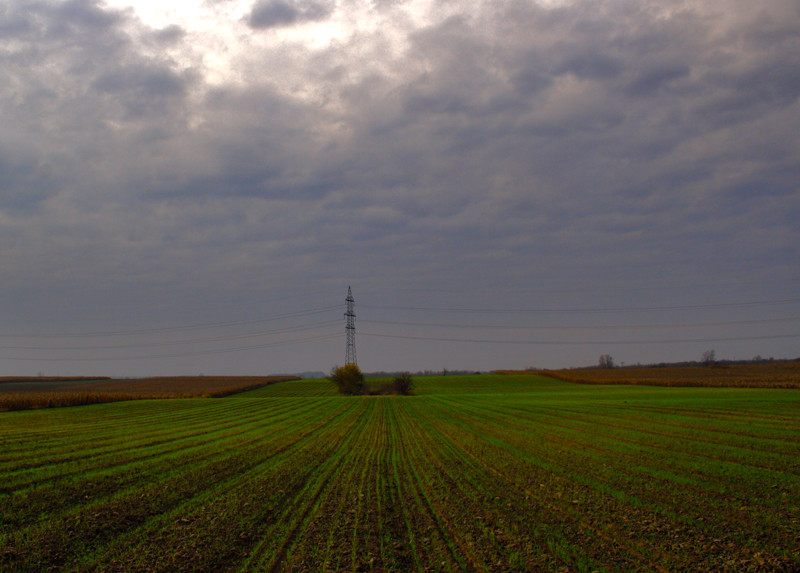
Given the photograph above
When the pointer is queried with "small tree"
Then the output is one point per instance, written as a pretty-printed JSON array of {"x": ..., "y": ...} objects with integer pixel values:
[
  {"x": 709, "y": 358},
  {"x": 403, "y": 384},
  {"x": 605, "y": 361},
  {"x": 348, "y": 379}
]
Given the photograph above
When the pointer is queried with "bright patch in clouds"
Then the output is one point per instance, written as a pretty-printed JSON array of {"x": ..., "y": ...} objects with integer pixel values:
[
  {"x": 192, "y": 15},
  {"x": 224, "y": 34}
]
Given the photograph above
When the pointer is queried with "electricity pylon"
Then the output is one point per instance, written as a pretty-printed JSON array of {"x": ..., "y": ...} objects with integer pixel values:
[{"x": 350, "y": 328}]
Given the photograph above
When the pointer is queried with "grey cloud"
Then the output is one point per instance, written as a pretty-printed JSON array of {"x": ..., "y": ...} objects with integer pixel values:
[
  {"x": 80, "y": 36},
  {"x": 590, "y": 65},
  {"x": 633, "y": 79},
  {"x": 86, "y": 13},
  {"x": 505, "y": 147},
  {"x": 389, "y": 4},
  {"x": 276, "y": 13},
  {"x": 25, "y": 180},
  {"x": 71, "y": 73},
  {"x": 81, "y": 16},
  {"x": 14, "y": 23},
  {"x": 529, "y": 81},
  {"x": 143, "y": 89},
  {"x": 655, "y": 78},
  {"x": 168, "y": 35},
  {"x": 154, "y": 82}
]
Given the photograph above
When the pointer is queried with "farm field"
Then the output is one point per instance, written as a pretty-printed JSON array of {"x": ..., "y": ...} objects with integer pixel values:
[
  {"x": 778, "y": 374},
  {"x": 32, "y": 393},
  {"x": 488, "y": 472}
]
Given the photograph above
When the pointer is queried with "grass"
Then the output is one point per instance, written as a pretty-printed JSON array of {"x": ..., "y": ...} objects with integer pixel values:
[{"x": 483, "y": 472}]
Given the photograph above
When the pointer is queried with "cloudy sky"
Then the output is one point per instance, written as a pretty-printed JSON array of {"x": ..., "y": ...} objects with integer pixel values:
[{"x": 191, "y": 186}]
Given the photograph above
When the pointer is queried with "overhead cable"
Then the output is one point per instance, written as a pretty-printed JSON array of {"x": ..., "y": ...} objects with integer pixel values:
[
  {"x": 273, "y": 318},
  {"x": 590, "y": 327},
  {"x": 588, "y": 310},
  {"x": 176, "y": 354},
  {"x": 284, "y": 330},
  {"x": 580, "y": 342}
]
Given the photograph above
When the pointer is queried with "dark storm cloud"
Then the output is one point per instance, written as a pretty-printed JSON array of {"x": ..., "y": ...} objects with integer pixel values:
[{"x": 275, "y": 13}]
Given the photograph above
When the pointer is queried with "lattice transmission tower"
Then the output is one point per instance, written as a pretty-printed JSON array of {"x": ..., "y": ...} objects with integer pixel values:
[{"x": 350, "y": 328}]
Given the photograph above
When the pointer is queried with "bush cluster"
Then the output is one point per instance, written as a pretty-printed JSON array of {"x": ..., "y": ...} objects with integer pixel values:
[{"x": 348, "y": 379}]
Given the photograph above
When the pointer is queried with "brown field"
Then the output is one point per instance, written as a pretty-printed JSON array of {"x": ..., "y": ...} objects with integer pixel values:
[
  {"x": 53, "y": 392},
  {"x": 783, "y": 374},
  {"x": 53, "y": 379}
]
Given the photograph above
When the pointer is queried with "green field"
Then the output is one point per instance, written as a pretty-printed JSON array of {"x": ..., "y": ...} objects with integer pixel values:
[{"x": 473, "y": 473}]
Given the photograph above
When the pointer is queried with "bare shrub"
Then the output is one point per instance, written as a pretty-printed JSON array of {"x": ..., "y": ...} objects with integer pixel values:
[
  {"x": 348, "y": 379},
  {"x": 403, "y": 384},
  {"x": 605, "y": 361}
]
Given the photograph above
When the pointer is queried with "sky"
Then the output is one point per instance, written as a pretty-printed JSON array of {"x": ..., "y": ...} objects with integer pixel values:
[{"x": 190, "y": 187}]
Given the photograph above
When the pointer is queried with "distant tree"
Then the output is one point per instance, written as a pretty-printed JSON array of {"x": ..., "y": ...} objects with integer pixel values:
[
  {"x": 348, "y": 379},
  {"x": 605, "y": 361},
  {"x": 709, "y": 358},
  {"x": 403, "y": 384}
]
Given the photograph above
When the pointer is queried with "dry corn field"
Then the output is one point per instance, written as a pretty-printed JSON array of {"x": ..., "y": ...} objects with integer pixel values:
[
  {"x": 33, "y": 393},
  {"x": 779, "y": 374}
]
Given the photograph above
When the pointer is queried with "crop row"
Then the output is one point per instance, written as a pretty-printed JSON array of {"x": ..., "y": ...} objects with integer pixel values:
[{"x": 289, "y": 477}]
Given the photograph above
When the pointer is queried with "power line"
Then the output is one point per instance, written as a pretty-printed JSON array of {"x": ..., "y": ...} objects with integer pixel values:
[
  {"x": 284, "y": 330},
  {"x": 350, "y": 331},
  {"x": 295, "y": 314},
  {"x": 588, "y": 310},
  {"x": 580, "y": 342},
  {"x": 177, "y": 354},
  {"x": 589, "y": 327},
  {"x": 580, "y": 287}
]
